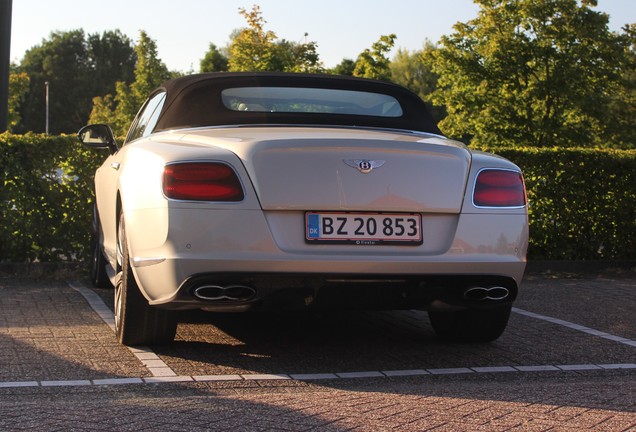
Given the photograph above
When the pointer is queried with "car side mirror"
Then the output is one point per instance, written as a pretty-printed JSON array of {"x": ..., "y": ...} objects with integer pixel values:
[{"x": 98, "y": 136}]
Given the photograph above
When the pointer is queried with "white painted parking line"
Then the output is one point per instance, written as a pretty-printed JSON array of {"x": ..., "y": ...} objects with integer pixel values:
[
  {"x": 266, "y": 377},
  {"x": 203, "y": 378},
  {"x": 10, "y": 384},
  {"x": 477, "y": 370},
  {"x": 450, "y": 371},
  {"x": 618, "y": 366},
  {"x": 364, "y": 374},
  {"x": 404, "y": 373},
  {"x": 153, "y": 363},
  {"x": 576, "y": 327},
  {"x": 168, "y": 379},
  {"x": 538, "y": 368},
  {"x": 118, "y": 381},
  {"x": 315, "y": 376},
  {"x": 579, "y": 367},
  {"x": 70, "y": 383},
  {"x": 494, "y": 369}
]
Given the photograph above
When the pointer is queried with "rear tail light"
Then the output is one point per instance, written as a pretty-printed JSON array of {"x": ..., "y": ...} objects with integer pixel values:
[
  {"x": 499, "y": 188},
  {"x": 202, "y": 181}
]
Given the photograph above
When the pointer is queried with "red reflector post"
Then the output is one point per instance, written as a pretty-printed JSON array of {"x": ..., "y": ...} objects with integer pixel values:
[
  {"x": 499, "y": 188},
  {"x": 202, "y": 181}
]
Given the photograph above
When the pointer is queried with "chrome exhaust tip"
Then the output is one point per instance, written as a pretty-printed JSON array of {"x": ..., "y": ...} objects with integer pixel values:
[
  {"x": 486, "y": 293},
  {"x": 225, "y": 293}
]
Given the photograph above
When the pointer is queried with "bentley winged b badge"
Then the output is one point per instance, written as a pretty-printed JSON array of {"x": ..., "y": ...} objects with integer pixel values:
[{"x": 363, "y": 165}]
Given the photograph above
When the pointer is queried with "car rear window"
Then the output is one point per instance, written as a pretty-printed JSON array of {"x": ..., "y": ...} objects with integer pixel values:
[{"x": 310, "y": 100}]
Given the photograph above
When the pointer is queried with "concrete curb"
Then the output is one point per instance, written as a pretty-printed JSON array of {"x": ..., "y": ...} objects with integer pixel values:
[{"x": 580, "y": 267}]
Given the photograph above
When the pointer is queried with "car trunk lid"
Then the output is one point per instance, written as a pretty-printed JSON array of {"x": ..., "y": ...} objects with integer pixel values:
[{"x": 351, "y": 169}]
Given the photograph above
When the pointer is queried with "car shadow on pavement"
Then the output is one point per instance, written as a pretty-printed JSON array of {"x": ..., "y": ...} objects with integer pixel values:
[{"x": 315, "y": 342}]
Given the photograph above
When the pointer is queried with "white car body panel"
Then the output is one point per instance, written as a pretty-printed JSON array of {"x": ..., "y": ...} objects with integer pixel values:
[{"x": 171, "y": 240}]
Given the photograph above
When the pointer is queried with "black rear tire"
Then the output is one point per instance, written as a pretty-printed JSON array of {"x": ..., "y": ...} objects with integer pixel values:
[
  {"x": 99, "y": 277},
  {"x": 471, "y": 325},
  {"x": 136, "y": 322}
]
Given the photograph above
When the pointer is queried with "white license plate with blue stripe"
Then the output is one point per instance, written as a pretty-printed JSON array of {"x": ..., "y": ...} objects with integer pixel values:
[{"x": 363, "y": 228}]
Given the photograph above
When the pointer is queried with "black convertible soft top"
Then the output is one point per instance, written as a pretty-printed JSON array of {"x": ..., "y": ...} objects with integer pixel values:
[{"x": 207, "y": 100}]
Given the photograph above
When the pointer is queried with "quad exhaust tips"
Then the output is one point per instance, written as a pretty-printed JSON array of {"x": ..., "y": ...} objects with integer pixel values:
[
  {"x": 483, "y": 293},
  {"x": 236, "y": 293}
]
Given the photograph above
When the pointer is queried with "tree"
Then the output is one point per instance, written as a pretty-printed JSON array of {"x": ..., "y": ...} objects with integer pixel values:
[
  {"x": 622, "y": 110},
  {"x": 345, "y": 67},
  {"x": 150, "y": 71},
  {"x": 61, "y": 61},
  {"x": 120, "y": 110},
  {"x": 111, "y": 58},
  {"x": 214, "y": 60},
  {"x": 411, "y": 70},
  {"x": 18, "y": 88},
  {"x": 77, "y": 68},
  {"x": 256, "y": 49},
  {"x": 373, "y": 63},
  {"x": 298, "y": 57},
  {"x": 530, "y": 72},
  {"x": 252, "y": 48}
]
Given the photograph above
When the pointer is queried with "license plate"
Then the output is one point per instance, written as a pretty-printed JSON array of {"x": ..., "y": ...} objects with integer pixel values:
[{"x": 363, "y": 228}]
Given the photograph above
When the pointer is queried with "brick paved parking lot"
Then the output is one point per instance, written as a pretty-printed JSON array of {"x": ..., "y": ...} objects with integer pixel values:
[{"x": 567, "y": 362}]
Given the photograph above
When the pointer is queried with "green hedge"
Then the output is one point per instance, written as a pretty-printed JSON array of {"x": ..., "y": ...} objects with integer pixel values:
[
  {"x": 47, "y": 197},
  {"x": 582, "y": 201}
]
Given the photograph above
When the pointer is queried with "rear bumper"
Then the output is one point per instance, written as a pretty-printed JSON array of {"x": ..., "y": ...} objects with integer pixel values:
[
  {"x": 485, "y": 248},
  {"x": 440, "y": 285},
  {"x": 299, "y": 291}
]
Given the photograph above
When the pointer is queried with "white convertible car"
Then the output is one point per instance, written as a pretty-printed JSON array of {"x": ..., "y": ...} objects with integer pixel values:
[{"x": 240, "y": 191}]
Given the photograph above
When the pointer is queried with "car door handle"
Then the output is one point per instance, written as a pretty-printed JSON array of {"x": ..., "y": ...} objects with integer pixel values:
[{"x": 115, "y": 166}]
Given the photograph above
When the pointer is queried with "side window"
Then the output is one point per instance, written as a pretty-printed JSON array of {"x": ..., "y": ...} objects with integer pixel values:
[{"x": 147, "y": 118}]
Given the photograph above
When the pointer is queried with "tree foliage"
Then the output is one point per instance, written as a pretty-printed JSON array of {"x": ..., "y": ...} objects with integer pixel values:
[
  {"x": 410, "y": 70},
  {"x": 256, "y": 49},
  {"x": 534, "y": 72},
  {"x": 373, "y": 63},
  {"x": 119, "y": 110},
  {"x": 622, "y": 130},
  {"x": 77, "y": 68},
  {"x": 345, "y": 67},
  {"x": 214, "y": 60},
  {"x": 111, "y": 58},
  {"x": 18, "y": 88},
  {"x": 298, "y": 57}
]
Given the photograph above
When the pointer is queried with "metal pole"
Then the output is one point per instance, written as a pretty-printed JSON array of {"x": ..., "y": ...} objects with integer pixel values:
[
  {"x": 5, "y": 61},
  {"x": 46, "y": 128}
]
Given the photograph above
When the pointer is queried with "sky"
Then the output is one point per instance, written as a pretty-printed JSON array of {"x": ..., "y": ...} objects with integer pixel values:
[{"x": 184, "y": 29}]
